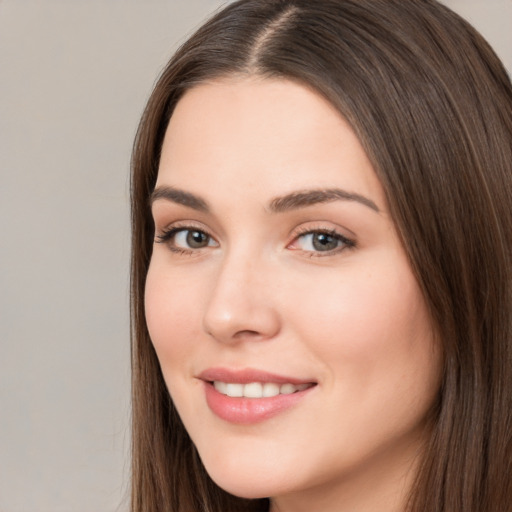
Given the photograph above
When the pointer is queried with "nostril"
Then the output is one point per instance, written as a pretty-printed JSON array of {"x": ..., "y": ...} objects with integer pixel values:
[{"x": 246, "y": 333}]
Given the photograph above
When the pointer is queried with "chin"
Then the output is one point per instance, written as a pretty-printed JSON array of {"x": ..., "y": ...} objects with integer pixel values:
[
  {"x": 246, "y": 480},
  {"x": 248, "y": 486}
]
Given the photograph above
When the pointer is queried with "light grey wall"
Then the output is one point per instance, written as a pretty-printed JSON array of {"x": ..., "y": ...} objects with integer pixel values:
[
  {"x": 74, "y": 76},
  {"x": 493, "y": 18}
]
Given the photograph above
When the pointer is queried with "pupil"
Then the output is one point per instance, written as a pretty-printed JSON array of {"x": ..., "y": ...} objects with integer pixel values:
[
  {"x": 196, "y": 239},
  {"x": 324, "y": 242}
]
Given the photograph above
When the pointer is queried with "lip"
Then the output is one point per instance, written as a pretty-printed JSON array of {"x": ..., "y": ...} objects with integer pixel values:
[
  {"x": 246, "y": 411},
  {"x": 248, "y": 375}
]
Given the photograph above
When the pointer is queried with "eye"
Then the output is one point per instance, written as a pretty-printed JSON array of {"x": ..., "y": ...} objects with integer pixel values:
[
  {"x": 181, "y": 239},
  {"x": 320, "y": 241},
  {"x": 191, "y": 239}
]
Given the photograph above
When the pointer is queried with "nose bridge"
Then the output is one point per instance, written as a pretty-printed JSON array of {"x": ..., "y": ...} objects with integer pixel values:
[{"x": 240, "y": 304}]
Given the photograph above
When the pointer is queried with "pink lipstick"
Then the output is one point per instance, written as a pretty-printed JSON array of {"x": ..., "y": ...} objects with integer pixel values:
[{"x": 251, "y": 396}]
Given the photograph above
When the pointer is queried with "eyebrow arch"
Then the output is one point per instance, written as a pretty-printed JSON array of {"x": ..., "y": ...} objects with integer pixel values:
[
  {"x": 292, "y": 201},
  {"x": 180, "y": 197},
  {"x": 304, "y": 198}
]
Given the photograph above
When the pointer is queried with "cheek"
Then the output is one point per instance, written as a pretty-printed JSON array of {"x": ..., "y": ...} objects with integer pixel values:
[
  {"x": 171, "y": 315},
  {"x": 369, "y": 325},
  {"x": 380, "y": 361}
]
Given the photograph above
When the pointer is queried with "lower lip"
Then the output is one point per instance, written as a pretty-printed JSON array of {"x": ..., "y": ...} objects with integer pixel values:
[{"x": 244, "y": 411}]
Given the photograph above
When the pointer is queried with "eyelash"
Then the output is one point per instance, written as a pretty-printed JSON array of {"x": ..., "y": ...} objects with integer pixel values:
[
  {"x": 166, "y": 237},
  {"x": 346, "y": 243}
]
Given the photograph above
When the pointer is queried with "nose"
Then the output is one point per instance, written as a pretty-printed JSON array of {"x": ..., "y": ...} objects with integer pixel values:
[{"x": 241, "y": 305}]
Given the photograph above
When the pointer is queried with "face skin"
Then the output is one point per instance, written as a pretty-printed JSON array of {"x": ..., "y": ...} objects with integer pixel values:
[{"x": 320, "y": 292}]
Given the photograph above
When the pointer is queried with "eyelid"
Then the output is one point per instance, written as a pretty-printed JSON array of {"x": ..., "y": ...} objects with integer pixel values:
[
  {"x": 182, "y": 224},
  {"x": 349, "y": 242},
  {"x": 164, "y": 235}
]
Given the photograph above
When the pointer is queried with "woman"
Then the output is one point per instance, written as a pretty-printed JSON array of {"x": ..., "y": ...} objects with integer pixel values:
[{"x": 321, "y": 291}]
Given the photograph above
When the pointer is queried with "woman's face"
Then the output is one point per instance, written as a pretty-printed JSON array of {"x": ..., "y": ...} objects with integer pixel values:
[{"x": 277, "y": 274}]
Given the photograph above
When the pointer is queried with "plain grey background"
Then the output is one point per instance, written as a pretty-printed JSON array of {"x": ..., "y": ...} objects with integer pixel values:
[{"x": 74, "y": 77}]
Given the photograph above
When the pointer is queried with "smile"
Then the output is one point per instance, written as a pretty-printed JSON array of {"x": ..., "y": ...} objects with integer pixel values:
[
  {"x": 247, "y": 395},
  {"x": 258, "y": 389}
]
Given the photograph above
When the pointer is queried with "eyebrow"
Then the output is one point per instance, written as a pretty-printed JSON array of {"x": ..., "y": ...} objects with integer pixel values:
[
  {"x": 180, "y": 197},
  {"x": 292, "y": 201},
  {"x": 304, "y": 198}
]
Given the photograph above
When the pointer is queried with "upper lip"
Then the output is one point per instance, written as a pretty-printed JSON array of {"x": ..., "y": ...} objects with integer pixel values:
[{"x": 248, "y": 375}]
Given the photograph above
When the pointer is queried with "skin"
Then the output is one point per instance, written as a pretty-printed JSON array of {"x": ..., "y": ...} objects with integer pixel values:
[{"x": 259, "y": 294}]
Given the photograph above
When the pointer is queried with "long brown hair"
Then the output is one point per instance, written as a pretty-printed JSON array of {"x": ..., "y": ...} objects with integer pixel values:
[{"x": 432, "y": 106}]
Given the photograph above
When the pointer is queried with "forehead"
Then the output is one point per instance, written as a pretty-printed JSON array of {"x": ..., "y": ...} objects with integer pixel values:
[{"x": 268, "y": 134}]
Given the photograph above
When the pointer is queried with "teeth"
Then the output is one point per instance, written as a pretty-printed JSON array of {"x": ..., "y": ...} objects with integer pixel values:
[
  {"x": 234, "y": 390},
  {"x": 221, "y": 387},
  {"x": 257, "y": 389},
  {"x": 270, "y": 389},
  {"x": 287, "y": 389},
  {"x": 253, "y": 390}
]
